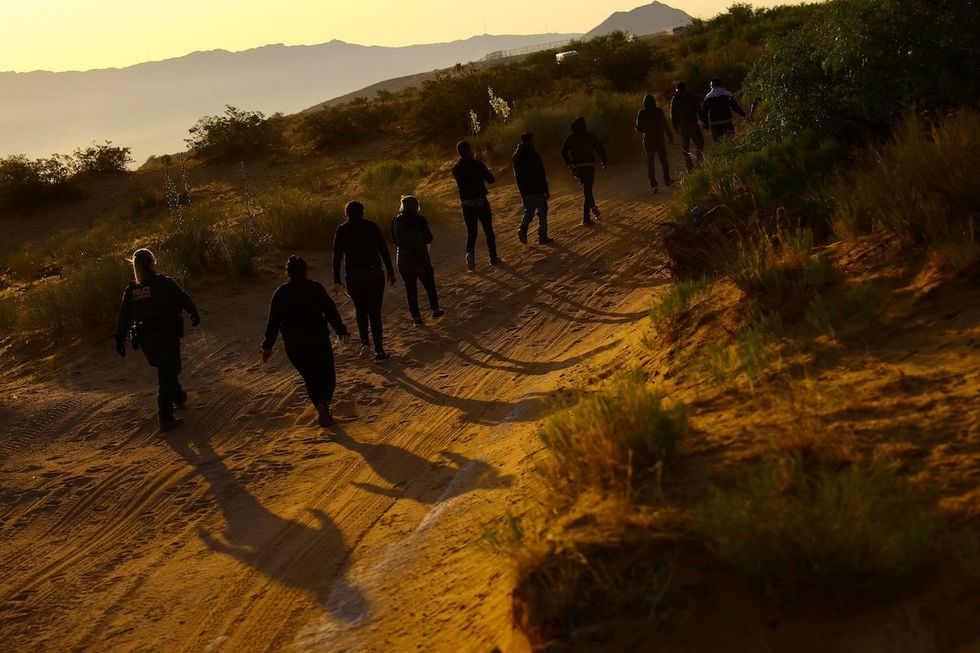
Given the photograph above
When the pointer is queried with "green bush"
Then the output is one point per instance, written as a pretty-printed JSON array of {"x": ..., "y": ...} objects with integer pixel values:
[
  {"x": 189, "y": 242},
  {"x": 85, "y": 301},
  {"x": 795, "y": 522},
  {"x": 347, "y": 124},
  {"x": 29, "y": 183},
  {"x": 242, "y": 245},
  {"x": 855, "y": 311},
  {"x": 70, "y": 248},
  {"x": 613, "y": 442},
  {"x": 674, "y": 304},
  {"x": 236, "y": 134},
  {"x": 386, "y": 181},
  {"x": 296, "y": 219},
  {"x": 104, "y": 159}
]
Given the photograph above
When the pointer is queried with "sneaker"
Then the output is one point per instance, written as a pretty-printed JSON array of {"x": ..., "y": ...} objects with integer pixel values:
[
  {"x": 181, "y": 401},
  {"x": 419, "y": 322},
  {"x": 495, "y": 261},
  {"x": 545, "y": 240},
  {"x": 365, "y": 352},
  {"x": 324, "y": 418},
  {"x": 522, "y": 236},
  {"x": 438, "y": 312},
  {"x": 595, "y": 212},
  {"x": 654, "y": 189},
  {"x": 470, "y": 262},
  {"x": 170, "y": 424},
  {"x": 381, "y": 357}
]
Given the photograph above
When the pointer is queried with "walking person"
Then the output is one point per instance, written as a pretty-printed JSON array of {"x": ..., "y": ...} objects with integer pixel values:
[
  {"x": 578, "y": 152},
  {"x": 717, "y": 110},
  {"x": 532, "y": 184},
  {"x": 686, "y": 117},
  {"x": 651, "y": 122},
  {"x": 301, "y": 309},
  {"x": 412, "y": 237},
  {"x": 151, "y": 315},
  {"x": 360, "y": 242},
  {"x": 471, "y": 178}
]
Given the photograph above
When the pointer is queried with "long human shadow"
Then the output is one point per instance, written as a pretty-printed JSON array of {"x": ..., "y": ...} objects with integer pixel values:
[
  {"x": 534, "y": 404},
  {"x": 309, "y": 558},
  {"x": 399, "y": 467}
]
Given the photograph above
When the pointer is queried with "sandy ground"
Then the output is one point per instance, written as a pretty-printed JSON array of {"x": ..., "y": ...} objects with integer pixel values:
[{"x": 252, "y": 529}]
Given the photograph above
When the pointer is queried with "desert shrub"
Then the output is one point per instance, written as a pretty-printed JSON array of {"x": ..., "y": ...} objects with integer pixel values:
[
  {"x": 852, "y": 312},
  {"x": 386, "y": 181},
  {"x": 26, "y": 261},
  {"x": 189, "y": 242},
  {"x": 793, "y": 521},
  {"x": 296, "y": 219},
  {"x": 613, "y": 442},
  {"x": 85, "y": 301},
  {"x": 674, "y": 304},
  {"x": 857, "y": 66},
  {"x": 242, "y": 245},
  {"x": 347, "y": 124},
  {"x": 919, "y": 188},
  {"x": 749, "y": 354},
  {"x": 28, "y": 183},
  {"x": 69, "y": 248},
  {"x": 104, "y": 159},
  {"x": 236, "y": 134}
]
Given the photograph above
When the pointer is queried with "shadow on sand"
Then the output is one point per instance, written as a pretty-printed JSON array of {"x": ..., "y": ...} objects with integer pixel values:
[{"x": 309, "y": 558}]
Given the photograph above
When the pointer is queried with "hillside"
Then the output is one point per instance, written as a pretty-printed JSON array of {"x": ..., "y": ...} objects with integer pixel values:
[{"x": 653, "y": 18}]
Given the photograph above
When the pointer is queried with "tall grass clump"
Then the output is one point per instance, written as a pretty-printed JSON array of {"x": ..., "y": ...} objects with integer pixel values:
[
  {"x": 920, "y": 188},
  {"x": 386, "y": 181},
  {"x": 296, "y": 219},
  {"x": 85, "y": 301},
  {"x": 793, "y": 521},
  {"x": 25, "y": 262},
  {"x": 674, "y": 304},
  {"x": 70, "y": 248},
  {"x": 242, "y": 245},
  {"x": 613, "y": 442},
  {"x": 190, "y": 243}
]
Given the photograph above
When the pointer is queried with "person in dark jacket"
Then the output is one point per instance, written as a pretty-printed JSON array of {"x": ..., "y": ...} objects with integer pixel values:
[
  {"x": 578, "y": 151},
  {"x": 301, "y": 309},
  {"x": 532, "y": 184},
  {"x": 652, "y": 123},
  {"x": 151, "y": 315},
  {"x": 360, "y": 241},
  {"x": 686, "y": 117},
  {"x": 412, "y": 237},
  {"x": 717, "y": 110},
  {"x": 471, "y": 178}
]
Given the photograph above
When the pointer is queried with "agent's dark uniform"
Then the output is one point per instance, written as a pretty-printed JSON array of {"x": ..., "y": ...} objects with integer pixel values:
[
  {"x": 652, "y": 123},
  {"x": 578, "y": 152},
  {"x": 361, "y": 242},
  {"x": 471, "y": 178},
  {"x": 302, "y": 309},
  {"x": 686, "y": 116},
  {"x": 153, "y": 311},
  {"x": 717, "y": 109},
  {"x": 411, "y": 234},
  {"x": 532, "y": 183}
]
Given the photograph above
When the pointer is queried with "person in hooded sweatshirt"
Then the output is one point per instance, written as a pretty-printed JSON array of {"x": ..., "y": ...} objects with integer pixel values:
[
  {"x": 471, "y": 177},
  {"x": 686, "y": 117},
  {"x": 532, "y": 183},
  {"x": 652, "y": 123},
  {"x": 579, "y": 151},
  {"x": 301, "y": 309},
  {"x": 360, "y": 241},
  {"x": 412, "y": 237},
  {"x": 717, "y": 110},
  {"x": 151, "y": 315}
]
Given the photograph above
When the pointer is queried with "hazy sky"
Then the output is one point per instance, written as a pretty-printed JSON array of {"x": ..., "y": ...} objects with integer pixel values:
[{"x": 85, "y": 34}]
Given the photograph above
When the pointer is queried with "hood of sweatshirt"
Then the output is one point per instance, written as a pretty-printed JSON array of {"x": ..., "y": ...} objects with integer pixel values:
[
  {"x": 649, "y": 102},
  {"x": 579, "y": 125},
  {"x": 718, "y": 91}
]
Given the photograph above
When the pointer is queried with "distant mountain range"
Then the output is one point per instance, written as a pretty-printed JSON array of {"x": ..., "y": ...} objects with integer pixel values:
[
  {"x": 149, "y": 107},
  {"x": 649, "y": 19}
]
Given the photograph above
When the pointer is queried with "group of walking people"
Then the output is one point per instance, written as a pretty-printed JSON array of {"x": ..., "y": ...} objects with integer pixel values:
[{"x": 302, "y": 311}]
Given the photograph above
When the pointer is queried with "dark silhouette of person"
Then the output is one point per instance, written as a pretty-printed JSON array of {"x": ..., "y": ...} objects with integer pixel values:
[
  {"x": 360, "y": 241},
  {"x": 651, "y": 122},
  {"x": 471, "y": 178},
  {"x": 301, "y": 309},
  {"x": 717, "y": 110},
  {"x": 151, "y": 315},
  {"x": 532, "y": 184},
  {"x": 686, "y": 117},
  {"x": 578, "y": 151},
  {"x": 411, "y": 234}
]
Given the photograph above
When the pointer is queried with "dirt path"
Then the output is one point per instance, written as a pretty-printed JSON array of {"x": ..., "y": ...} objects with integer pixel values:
[{"x": 251, "y": 529}]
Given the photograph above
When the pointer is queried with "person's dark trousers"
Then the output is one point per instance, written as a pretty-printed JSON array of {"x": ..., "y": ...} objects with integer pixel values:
[
  {"x": 656, "y": 149},
  {"x": 315, "y": 364},
  {"x": 586, "y": 179},
  {"x": 482, "y": 215},
  {"x": 722, "y": 131},
  {"x": 164, "y": 355},
  {"x": 535, "y": 203},
  {"x": 367, "y": 290},
  {"x": 425, "y": 274},
  {"x": 692, "y": 134}
]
